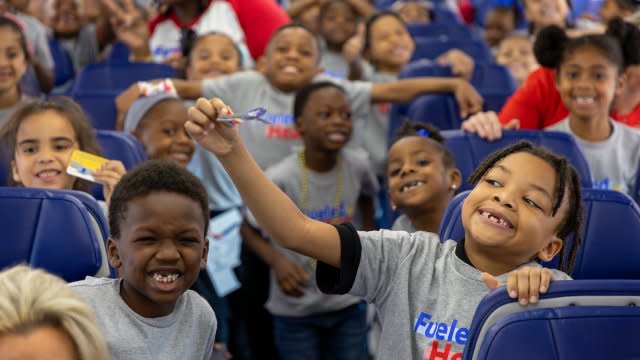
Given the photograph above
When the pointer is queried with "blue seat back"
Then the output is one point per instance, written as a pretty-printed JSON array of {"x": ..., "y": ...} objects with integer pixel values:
[
  {"x": 117, "y": 145},
  {"x": 431, "y": 48},
  {"x": 119, "y": 53},
  {"x": 607, "y": 250},
  {"x": 486, "y": 78},
  {"x": 441, "y": 30},
  {"x": 118, "y": 76},
  {"x": 100, "y": 107},
  {"x": 48, "y": 229},
  {"x": 469, "y": 150},
  {"x": 64, "y": 70},
  {"x": 574, "y": 320}
]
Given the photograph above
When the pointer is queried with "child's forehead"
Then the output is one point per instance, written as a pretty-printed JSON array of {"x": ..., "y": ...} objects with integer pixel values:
[
  {"x": 413, "y": 145},
  {"x": 516, "y": 42},
  {"x": 294, "y": 33},
  {"x": 218, "y": 40}
]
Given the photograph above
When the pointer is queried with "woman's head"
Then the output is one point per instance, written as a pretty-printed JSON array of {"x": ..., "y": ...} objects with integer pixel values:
[
  {"x": 41, "y": 316},
  {"x": 388, "y": 44},
  {"x": 158, "y": 123},
  {"x": 14, "y": 54},
  {"x": 212, "y": 55},
  {"x": 421, "y": 172},
  {"x": 291, "y": 59},
  {"x": 323, "y": 116},
  {"x": 337, "y": 23},
  {"x": 541, "y": 13},
  {"x": 525, "y": 204},
  {"x": 39, "y": 138}
]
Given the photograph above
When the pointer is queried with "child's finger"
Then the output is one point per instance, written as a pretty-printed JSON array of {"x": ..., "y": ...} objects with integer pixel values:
[
  {"x": 523, "y": 286},
  {"x": 512, "y": 285},
  {"x": 534, "y": 286},
  {"x": 219, "y": 107},
  {"x": 490, "y": 280},
  {"x": 199, "y": 118},
  {"x": 206, "y": 107},
  {"x": 546, "y": 278}
]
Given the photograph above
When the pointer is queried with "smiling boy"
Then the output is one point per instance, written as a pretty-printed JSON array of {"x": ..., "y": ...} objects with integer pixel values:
[{"x": 158, "y": 219}]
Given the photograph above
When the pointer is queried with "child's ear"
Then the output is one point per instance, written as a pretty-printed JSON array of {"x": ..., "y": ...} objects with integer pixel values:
[
  {"x": 622, "y": 83},
  {"x": 455, "y": 179},
  {"x": 114, "y": 253},
  {"x": 550, "y": 250},
  {"x": 205, "y": 254},
  {"x": 14, "y": 172}
]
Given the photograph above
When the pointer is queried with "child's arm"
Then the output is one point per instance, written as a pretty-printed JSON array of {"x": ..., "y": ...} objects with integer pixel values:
[
  {"x": 403, "y": 91},
  {"x": 367, "y": 212},
  {"x": 362, "y": 7},
  {"x": 270, "y": 206},
  {"x": 292, "y": 278},
  {"x": 525, "y": 284}
]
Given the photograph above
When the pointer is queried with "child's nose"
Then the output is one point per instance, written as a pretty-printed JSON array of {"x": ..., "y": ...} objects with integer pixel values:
[
  {"x": 505, "y": 199},
  {"x": 168, "y": 252}
]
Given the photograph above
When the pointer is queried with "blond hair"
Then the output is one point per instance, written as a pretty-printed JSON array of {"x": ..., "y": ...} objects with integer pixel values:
[{"x": 31, "y": 298}]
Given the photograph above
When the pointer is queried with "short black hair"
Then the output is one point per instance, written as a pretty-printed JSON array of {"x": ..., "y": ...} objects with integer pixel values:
[
  {"x": 302, "y": 96},
  {"x": 150, "y": 176},
  {"x": 295, "y": 25},
  {"x": 567, "y": 180},
  {"x": 433, "y": 136}
]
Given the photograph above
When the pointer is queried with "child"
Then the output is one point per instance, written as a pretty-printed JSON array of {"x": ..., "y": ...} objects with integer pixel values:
[
  {"x": 41, "y": 318},
  {"x": 65, "y": 20},
  {"x": 39, "y": 139},
  {"x": 212, "y": 55},
  {"x": 157, "y": 121},
  {"x": 291, "y": 62},
  {"x": 329, "y": 184},
  {"x": 510, "y": 218},
  {"x": 589, "y": 73},
  {"x": 516, "y": 53},
  {"x": 422, "y": 177},
  {"x": 14, "y": 59},
  {"x": 337, "y": 24},
  {"x": 499, "y": 22},
  {"x": 414, "y": 12},
  {"x": 617, "y": 8},
  {"x": 388, "y": 46},
  {"x": 541, "y": 13},
  {"x": 158, "y": 218}
]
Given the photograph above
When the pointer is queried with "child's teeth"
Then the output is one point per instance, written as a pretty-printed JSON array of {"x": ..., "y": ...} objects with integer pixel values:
[{"x": 165, "y": 279}]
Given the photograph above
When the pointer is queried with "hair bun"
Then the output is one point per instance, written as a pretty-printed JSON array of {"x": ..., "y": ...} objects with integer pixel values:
[
  {"x": 549, "y": 46},
  {"x": 629, "y": 38}
]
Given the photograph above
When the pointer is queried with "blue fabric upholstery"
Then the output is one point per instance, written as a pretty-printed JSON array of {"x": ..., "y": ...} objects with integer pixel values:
[
  {"x": 100, "y": 107},
  {"x": 118, "y": 76},
  {"x": 582, "y": 319},
  {"x": 607, "y": 250},
  {"x": 469, "y": 149},
  {"x": 431, "y": 48},
  {"x": 64, "y": 70},
  {"x": 48, "y": 229}
]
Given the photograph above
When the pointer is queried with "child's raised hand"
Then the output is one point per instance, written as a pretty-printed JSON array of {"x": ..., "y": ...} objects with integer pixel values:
[
  {"x": 488, "y": 126},
  {"x": 468, "y": 99},
  {"x": 292, "y": 278},
  {"x": 525, "y": 284},
  {"x": 216, "y": 137},
  {"x": 352, "y": 48},
  {"x": 461, "y": 64},
  {"x": 108, "y": 175}
]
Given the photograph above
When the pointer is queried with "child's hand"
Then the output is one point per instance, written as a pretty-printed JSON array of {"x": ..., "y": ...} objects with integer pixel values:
[
  {"x": 352, "y": 48},
  {"x": 525, "y": 284},
  {"x": 461, "y": 64},
  {"x": 292, "y": 278},
  {"x": 487, "y": 125},
  {"x": 108, "y": 175},
  {"x": 216, "y": 137},
  {"x": 469, "y": 101}
]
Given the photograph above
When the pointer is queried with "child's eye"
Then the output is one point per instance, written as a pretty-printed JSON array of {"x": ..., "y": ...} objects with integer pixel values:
[
  {"x": 189, "y": 240},
  {"x": 325, "y": 114},
  {"x": 532, "y": 203},
  {"x": 598, "y": 76},
  {"x": 144, "y": 239},
  {"x": 345, "y": 115},
  {"x": 493, "y": 182},
  {"x": 424, "y": 162},
  {"x": 29, "y": 149},
  {"x": 169, "y": 131},
  {"x": 572, "y": 74},
  {"x": 305, "y": 52},
  {"x": 394, "y": 172}
]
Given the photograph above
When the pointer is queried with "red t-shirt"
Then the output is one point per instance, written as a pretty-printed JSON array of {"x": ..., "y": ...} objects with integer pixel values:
[
  {"x": 259, "y": 19},
  {"x": 537, "y": 104}
]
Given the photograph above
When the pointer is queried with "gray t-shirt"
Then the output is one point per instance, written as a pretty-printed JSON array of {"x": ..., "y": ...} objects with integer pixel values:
[
  {"x": 187, "y": 333},
  {"x": 269, "y": 144},
  {"x": 5, "y": 113},
  {"x": 424, "y": 292},
  {"x": 357, "y": 179},
  {"x": 84, "y": 48},
  {"x": 403, "y": 223},
  {"x": 334, "y": 64},
  {"x": 376, "y": 128},
  {"x": 613, "y": 162}
]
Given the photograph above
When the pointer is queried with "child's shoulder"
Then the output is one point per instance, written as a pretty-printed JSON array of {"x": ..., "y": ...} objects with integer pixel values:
[
  {"x": 94, "y": 282},
  {"x": 95, "y": 289},
  {"x": 200, "y": 308},
  {"x": 418, "y": 242}
]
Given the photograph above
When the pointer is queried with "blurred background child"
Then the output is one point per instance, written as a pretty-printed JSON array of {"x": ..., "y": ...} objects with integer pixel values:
[
  {"x": 422, "y": 177},
  {"x": 14, "y": 60},
  {"x": 516, "y": 53},
  {"x": 414, "y": 12},
  {"x": 499, "y": 22}
]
